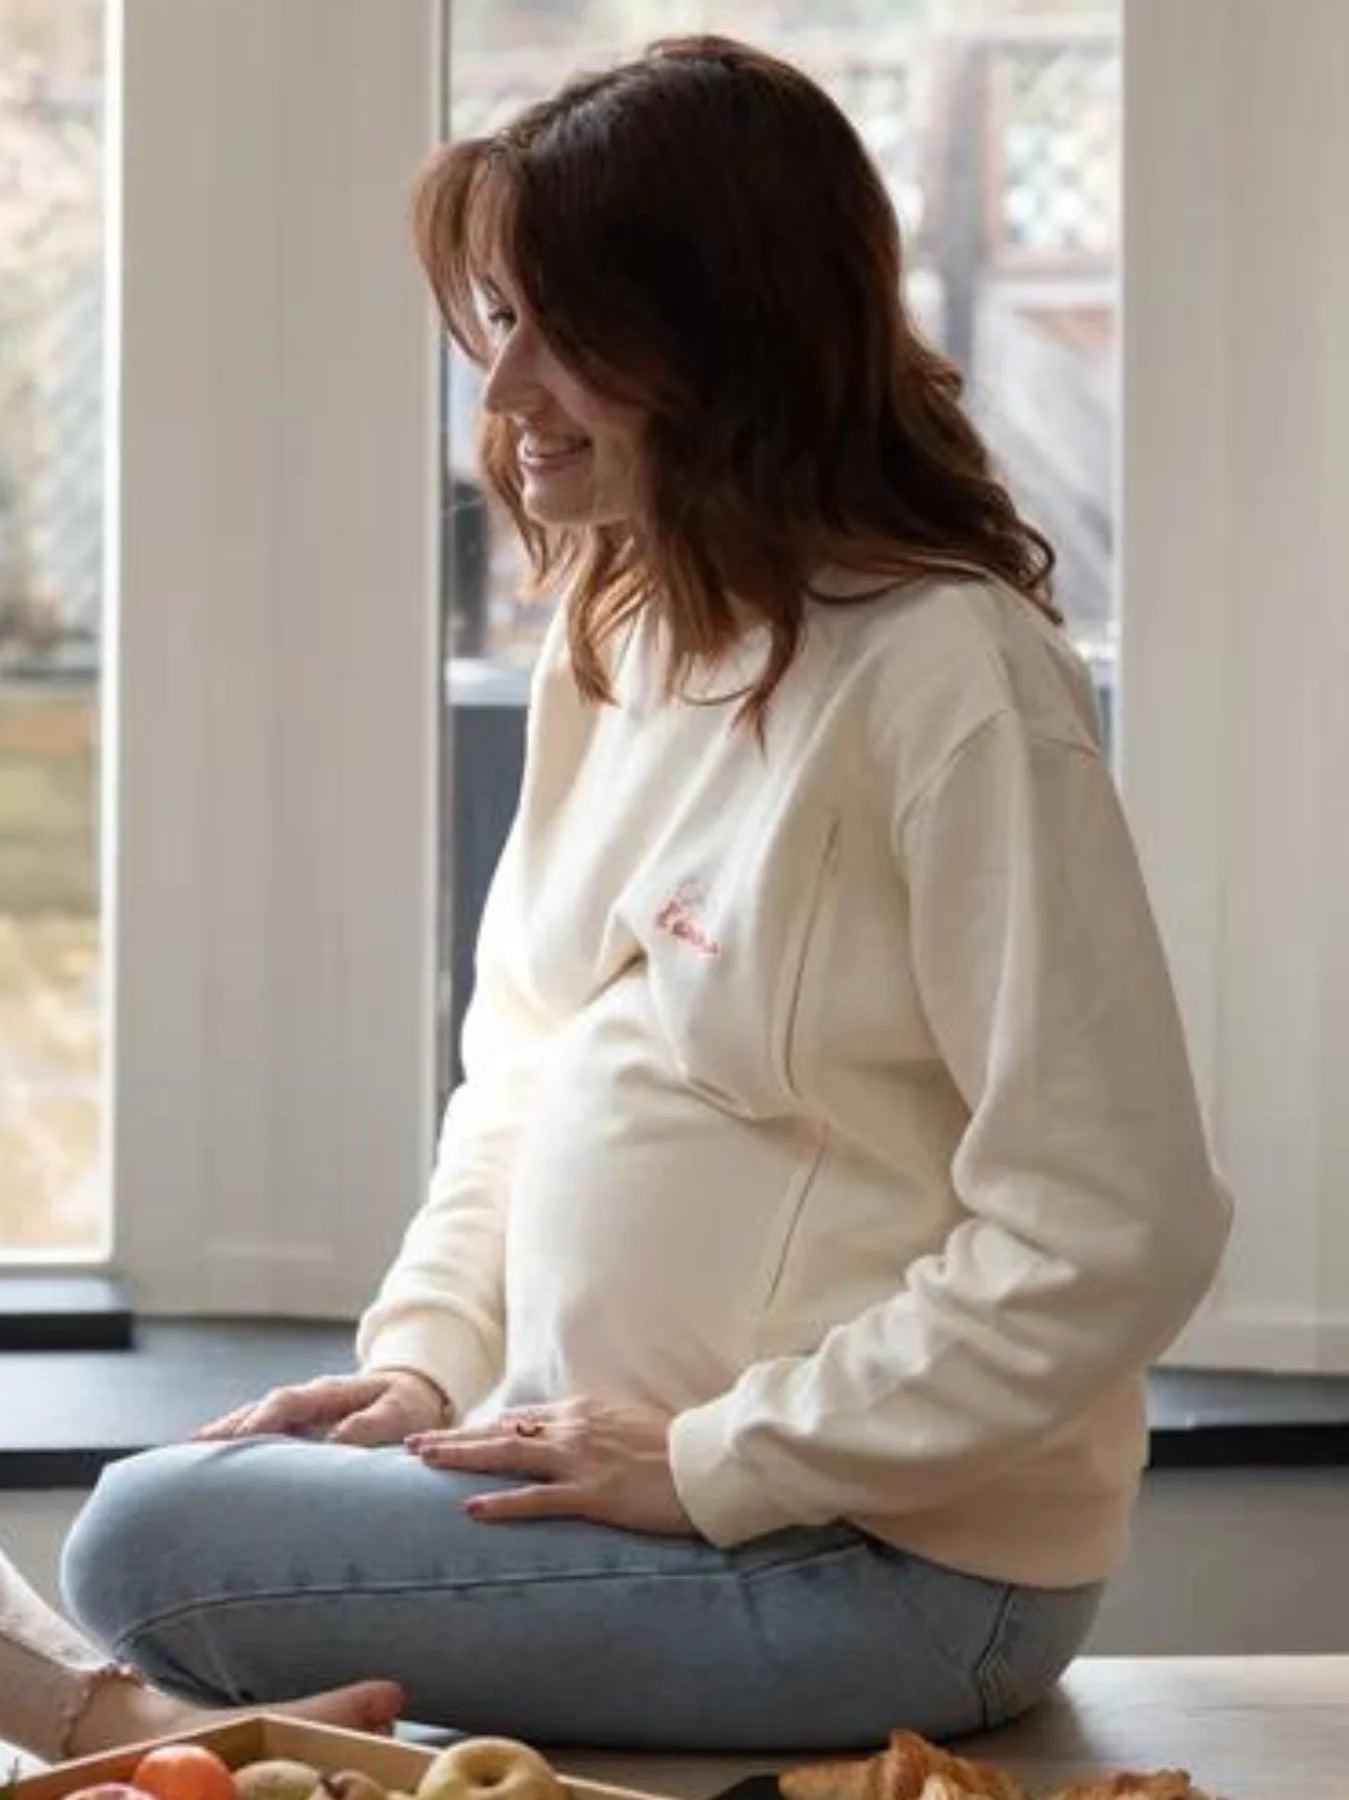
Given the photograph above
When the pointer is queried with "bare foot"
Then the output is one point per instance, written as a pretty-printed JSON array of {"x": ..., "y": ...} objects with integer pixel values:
[
  {"x": 365, "y": 1706},
  {"x": 124, "y": 1712}
]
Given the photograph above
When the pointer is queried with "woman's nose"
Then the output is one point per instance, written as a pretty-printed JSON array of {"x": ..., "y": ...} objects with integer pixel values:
[{"x": 512, "y": 383}]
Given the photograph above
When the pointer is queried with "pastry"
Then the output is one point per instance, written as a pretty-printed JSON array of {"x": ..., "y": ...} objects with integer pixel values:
[
  {"x": 1166, "y": 1784},
  {"x": 482, "y": 1766},
  {"x": 900, "y": 1772}
]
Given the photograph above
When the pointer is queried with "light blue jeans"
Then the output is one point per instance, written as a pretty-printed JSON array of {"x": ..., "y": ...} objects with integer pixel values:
[{"x": 261, "y": 1569}]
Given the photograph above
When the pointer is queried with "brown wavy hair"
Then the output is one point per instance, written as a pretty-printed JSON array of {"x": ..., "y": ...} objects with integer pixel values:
[{"x": 701, "y": 233}]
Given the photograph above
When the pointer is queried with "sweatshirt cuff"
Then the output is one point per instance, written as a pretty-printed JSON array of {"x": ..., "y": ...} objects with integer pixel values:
[
  {"x": 727, "y": 1502},
  {"x": 455, "y": 1363}
]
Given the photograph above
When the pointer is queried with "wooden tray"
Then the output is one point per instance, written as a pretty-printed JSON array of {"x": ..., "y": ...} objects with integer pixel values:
[{"x": 327, "y": 1747}]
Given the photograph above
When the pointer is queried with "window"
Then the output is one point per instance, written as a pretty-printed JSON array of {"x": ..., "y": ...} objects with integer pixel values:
[
  {"x": 272, "y": 670},
  {"x": 996, "y": 125},
  {"x": 52, "y": 1201}
]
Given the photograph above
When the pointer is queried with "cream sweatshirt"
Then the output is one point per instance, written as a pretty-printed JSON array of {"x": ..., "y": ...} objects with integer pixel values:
[{"x": 830, "y": 1094}]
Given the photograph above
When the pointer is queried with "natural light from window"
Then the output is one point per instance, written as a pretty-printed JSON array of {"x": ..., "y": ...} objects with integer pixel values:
[
  {"x": 51, "y": 448},
  {"x": 996, "y": 125}
]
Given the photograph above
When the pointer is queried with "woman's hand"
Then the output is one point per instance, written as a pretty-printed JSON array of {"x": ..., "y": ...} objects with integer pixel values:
[
  {"x": 382, "y": 1407},
  {"x": 580, "y": 1459}
]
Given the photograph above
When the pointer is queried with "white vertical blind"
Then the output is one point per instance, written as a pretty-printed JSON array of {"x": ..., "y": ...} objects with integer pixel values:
[
  {"x": 273, "y": 679},
  {"x": 1235, "y": 618}
]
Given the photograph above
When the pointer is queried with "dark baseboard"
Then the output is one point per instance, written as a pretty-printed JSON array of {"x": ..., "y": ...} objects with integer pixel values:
[
  {"x": 44, "y": 1471},
  {"x": 67, "y": 1413},
  {"x": 41, "y": 1312},
  {"x": 1262, "y": 1447},
  {"x": 1251, "y": 1447}
]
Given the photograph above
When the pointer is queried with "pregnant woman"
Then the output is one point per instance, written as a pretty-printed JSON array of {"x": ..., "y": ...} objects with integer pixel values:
[{"x": 764, "y": 1369}]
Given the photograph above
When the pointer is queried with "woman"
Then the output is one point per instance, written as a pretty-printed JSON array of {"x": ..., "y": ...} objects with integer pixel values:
[
  {"x": 828, "y": 1165},
  {"x": 61, "y": 1697}
]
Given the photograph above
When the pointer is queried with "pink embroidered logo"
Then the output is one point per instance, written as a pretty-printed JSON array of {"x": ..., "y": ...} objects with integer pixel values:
[{"x": 679, "y": 915}]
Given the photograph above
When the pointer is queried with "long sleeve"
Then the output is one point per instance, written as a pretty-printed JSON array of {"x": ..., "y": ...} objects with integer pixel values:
[
  {"x": 1091, "y": 1217},
  {"x": 440, "y": 1309}
]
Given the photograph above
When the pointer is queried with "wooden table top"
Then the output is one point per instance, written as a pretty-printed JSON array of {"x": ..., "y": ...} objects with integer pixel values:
[{"x": 1245, "y": 1727}]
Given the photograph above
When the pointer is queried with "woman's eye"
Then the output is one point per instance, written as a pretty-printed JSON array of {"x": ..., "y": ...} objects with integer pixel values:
[{"x": 500, "y": 318}]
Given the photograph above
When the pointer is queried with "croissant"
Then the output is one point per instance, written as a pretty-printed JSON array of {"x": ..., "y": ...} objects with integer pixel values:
[
  {"x": 904, "y": 1771},
  {"x": 1166, "y": 1784},
  {"x": 941, "y": 1787}
]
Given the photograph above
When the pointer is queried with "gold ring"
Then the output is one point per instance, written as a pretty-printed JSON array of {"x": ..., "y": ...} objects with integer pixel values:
[{"x": 527, "y": 1425}]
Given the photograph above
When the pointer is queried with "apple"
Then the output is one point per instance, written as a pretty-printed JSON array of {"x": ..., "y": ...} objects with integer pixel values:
[{"x": 277, "y": 1778}]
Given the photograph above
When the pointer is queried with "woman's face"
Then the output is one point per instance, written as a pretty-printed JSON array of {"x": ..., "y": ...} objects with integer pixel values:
[{"x": 577, "y": 452}]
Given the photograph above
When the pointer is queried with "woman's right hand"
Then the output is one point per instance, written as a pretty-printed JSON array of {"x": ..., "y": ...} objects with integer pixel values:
[{"x": 382, "y": 1407}]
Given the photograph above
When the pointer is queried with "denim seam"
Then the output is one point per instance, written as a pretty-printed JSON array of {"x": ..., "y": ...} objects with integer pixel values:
[
  {"x": 991, "y": 1666},
  {"x": 789, "y": 1566},
  {"x": 557, "y": 1579},
  {"x": 327, "y": 1590}
]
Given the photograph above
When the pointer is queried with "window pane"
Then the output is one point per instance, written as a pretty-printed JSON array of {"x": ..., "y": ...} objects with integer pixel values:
[
  {"x": 51, "y": 432},
  {"x": 996, "y": 127}
]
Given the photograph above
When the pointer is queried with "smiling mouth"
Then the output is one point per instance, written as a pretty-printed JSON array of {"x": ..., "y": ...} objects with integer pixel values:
[{"x": 544, "y": 454}]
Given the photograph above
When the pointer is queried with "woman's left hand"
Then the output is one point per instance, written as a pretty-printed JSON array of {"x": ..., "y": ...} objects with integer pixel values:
[{"x": 580, "y": 1459}]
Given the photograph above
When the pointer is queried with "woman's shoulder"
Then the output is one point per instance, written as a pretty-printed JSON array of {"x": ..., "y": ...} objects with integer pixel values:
[{"x": 938, "y": 658}]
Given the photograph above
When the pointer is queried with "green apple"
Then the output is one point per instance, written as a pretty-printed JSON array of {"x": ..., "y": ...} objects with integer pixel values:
[{"x": 278, "y": 1778}]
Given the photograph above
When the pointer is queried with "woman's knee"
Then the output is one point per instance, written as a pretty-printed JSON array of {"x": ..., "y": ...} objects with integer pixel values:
[{"x": 122, "y": 1541}]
